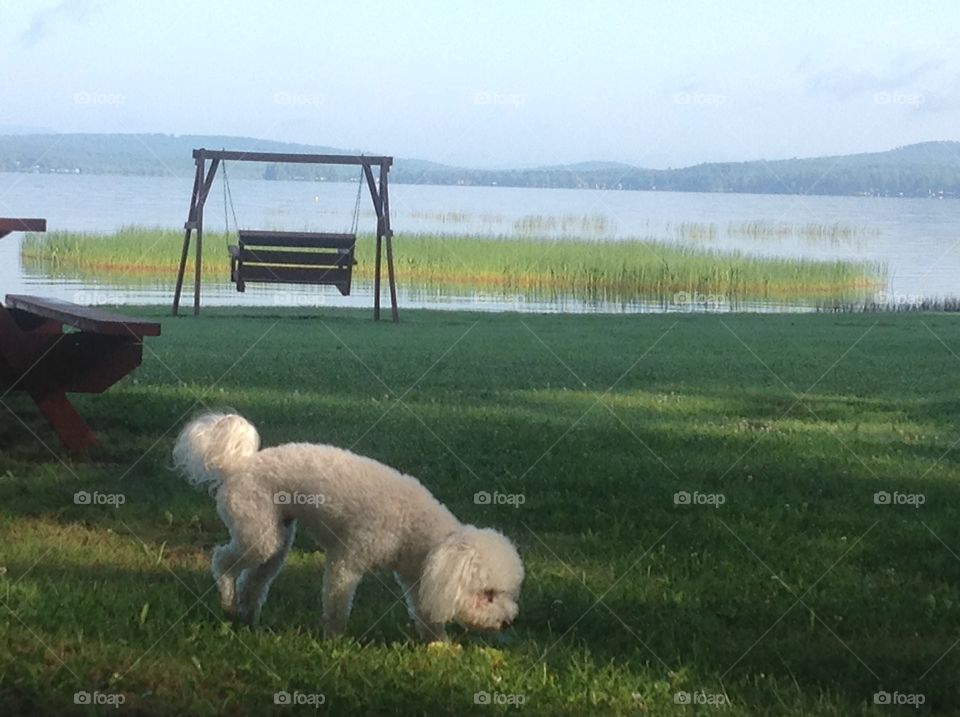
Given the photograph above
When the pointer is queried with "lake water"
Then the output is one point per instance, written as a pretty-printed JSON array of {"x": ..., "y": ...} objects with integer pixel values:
[{"x": 918, "y": 240}]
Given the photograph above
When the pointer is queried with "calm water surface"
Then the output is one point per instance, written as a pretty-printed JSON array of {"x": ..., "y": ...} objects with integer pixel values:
[{"x": 918, "y": 240}]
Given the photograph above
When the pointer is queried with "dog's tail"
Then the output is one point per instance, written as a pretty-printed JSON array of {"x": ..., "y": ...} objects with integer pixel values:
[{"x": 212, "y": 446}]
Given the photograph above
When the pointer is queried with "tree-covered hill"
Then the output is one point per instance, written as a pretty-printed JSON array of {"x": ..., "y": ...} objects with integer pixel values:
[{"x": 918, "y": 170}]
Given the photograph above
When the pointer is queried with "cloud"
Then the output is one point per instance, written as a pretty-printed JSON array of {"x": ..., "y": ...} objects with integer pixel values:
[
  {"x": 946, "y": 98},
  {"x": 843, "y": 83},
  {"x": 45, "y": 21},
  {"x": 929, "y": 86}
]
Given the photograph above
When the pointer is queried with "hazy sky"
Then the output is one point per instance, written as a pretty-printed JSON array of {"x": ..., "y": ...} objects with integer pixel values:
[{"x": 494, "y": 83}]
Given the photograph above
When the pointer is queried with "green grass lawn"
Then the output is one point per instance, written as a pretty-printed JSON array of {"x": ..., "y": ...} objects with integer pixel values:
[{"x": 780, "y": 588}]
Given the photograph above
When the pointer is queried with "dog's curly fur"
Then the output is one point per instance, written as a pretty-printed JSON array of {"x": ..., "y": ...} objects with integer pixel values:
[{"x": 365, "y": 515}]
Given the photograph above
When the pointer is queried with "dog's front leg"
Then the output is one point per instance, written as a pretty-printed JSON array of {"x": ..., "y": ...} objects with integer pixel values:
[
  {"x": 426, "y": 630},
  {"x": 431, "y": 631},
  {"x": 253, "y": 585},
  {"x": 340, "y": 582}
]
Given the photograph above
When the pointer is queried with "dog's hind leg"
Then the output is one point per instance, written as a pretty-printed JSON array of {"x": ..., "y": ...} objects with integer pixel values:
[
  {"x": 340, "y": 580},
  {"x": 253, "y": 585},
  {"x": 227, "y": 565}
]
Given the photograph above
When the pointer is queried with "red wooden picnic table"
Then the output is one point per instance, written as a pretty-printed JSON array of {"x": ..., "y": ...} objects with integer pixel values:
[{"x": 50, "y": 347}]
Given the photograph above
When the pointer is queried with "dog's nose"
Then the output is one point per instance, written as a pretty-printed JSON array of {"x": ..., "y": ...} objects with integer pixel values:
[{"x": 505, "y": 624}]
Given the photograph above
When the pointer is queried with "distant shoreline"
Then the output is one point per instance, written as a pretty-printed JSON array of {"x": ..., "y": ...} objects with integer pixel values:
[{"x": 927, "y": 170}]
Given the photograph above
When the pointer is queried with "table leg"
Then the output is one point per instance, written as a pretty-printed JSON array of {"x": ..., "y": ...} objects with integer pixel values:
[{"x": 70, "y": 427}]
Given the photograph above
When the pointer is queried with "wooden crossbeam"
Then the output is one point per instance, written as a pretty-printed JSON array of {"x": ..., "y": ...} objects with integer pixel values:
[{"x": 287, "y": 158}]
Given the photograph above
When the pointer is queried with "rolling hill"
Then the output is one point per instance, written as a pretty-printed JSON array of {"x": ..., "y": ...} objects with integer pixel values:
[{"x": 918, "y": 170}]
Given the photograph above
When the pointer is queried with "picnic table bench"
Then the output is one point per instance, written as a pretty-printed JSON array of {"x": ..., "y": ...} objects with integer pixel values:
[
  {"x": 8, "y": 225},
  {"x": 50, "y": 347}
]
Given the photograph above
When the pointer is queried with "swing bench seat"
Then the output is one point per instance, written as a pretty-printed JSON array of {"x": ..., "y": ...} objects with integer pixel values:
[{"x": 292, "y": 258}]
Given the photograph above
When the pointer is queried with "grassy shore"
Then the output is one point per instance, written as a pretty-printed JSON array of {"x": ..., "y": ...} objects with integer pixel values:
[
  {"x": 779, "y": 587},
  {"x": 622, "y": 271}
]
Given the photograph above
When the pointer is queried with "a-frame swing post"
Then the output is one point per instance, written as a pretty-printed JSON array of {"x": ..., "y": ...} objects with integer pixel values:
[
  {"x": 387, "y": 238},
  {"x": 204, "y": 191},
  {"x": 381, "y": 203},
  {"x": 378, "y": 251},
  {"x": 201, "y": 188},
  {"x": 187, "y": 230},
  {"x": 197, "y": 262}
]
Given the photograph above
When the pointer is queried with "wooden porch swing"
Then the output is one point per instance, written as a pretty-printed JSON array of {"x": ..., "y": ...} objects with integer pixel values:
[{"x": 291, "y": 257}]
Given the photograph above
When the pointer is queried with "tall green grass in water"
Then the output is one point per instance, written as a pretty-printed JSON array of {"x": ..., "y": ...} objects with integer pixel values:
[{"x": 623, "y": 270}]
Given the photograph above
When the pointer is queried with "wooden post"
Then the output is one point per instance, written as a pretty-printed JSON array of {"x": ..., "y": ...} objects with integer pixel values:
[
  {"x": 187, "y": 229},
  {"x": 199, "y": 224},
  {"x": 388, "y": 238},
  {"x": 202, "y": 200},
  {"x": 378, "y": 207},
  {"x": 376, "y": 271}
]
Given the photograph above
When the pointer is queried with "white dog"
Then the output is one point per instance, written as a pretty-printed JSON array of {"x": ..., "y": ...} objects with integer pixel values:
[{"x": 365, "y": 515}]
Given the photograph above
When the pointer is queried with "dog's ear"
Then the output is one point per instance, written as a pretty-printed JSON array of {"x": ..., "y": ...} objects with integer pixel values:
[
  {"x": 447, "y": 574},
  {"x": 211, "y": 446},
  {"x": 232, "y": 440}
]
